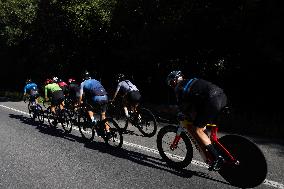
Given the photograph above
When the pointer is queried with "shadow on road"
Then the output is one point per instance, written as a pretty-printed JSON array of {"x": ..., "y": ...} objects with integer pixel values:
[{"x": 137, "y": 157}]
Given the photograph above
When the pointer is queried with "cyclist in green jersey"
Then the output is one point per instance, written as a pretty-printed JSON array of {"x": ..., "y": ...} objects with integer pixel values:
[{"x": 52, "y": 90}]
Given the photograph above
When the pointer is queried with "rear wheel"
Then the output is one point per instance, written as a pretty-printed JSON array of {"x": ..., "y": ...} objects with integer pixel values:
[
  {"x": 39, "y": 113},
  {"x": 179, "y": 157},
  {"x": 252, "y": 168},
  {"x": 66, "y": 121},
  {"x": 50, "y": 117},
  {"x": 147, "y": 124}
]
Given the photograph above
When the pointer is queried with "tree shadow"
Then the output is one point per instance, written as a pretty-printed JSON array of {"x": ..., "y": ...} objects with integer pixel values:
[{"x": 137, "y": 157}]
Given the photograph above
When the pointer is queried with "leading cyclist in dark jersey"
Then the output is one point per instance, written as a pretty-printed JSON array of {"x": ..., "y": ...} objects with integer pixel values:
[{"x": 199, "y": 101}]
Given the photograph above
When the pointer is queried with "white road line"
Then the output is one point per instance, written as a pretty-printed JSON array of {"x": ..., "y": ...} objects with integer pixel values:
[{"x": 144, "y": 148}]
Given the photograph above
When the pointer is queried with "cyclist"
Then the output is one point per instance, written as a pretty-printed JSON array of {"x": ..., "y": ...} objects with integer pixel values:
[
  {"x": 199, "y": 101},
  {"x": 53, "y": 91},
  {"x": 63, "y": 85},
  {"x": 74, "y": 91},
  {"x": 95, "y": 95},
  {"x": 31, "y": 89},
  {"x": 129, "y": 92}
]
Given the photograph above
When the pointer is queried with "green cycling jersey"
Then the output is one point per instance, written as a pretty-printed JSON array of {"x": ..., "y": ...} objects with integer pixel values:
[{"x": 50, "y": 88}]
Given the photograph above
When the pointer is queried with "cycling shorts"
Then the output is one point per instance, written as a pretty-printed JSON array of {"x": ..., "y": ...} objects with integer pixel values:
[
  {"x": 133, "y": 97},
  {"x": 98, "y": 103},
  {"x": 57, "y": 97},
  {"x": 209, "y": 110}
]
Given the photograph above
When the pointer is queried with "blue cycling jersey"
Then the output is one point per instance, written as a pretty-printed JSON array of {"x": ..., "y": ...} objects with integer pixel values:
[
  {"x": 29, "y": 87},
  {"x": 93, "y": 87}
]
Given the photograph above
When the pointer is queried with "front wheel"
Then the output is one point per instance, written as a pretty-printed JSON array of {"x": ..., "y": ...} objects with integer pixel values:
[
  {"x": 114, "y": 137},
  {"x": 85, "y": 127},
  {"x": 178, "y": 157},
  {"x": 252, "y": 168}
]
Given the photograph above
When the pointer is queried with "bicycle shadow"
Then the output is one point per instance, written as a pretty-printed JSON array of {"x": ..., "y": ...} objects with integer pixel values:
[
  {"x": 149, "y": 161},
  {"x": 99, "y": 145},
  {"x": 46, "y": 129}
]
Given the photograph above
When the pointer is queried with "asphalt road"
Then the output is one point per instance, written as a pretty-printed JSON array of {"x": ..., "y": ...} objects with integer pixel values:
[{"x": 32, "y": 156}]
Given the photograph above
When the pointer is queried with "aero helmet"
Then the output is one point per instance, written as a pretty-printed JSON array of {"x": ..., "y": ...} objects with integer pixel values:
[{"x": 173, "y": 76}]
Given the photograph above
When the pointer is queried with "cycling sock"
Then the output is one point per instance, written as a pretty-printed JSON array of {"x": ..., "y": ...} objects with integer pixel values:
[{"x": 213, "y": 151}]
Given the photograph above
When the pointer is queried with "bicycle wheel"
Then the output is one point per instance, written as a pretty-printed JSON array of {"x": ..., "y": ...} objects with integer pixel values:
[
  {"x": 50, "y": 117},
  {"x": 179, "y": 157},
  {"x": 147, "y": 125},
  {"x": 39, "y": 113},
  {"x": 84, "y": 124},
  {"x": 66, "y": 121},
  {"x": 252, "y": 168},
  {"x": 31, "y": 109},
  {"x": 114, "y": 138},
  {"x": 116, "y": 112}
]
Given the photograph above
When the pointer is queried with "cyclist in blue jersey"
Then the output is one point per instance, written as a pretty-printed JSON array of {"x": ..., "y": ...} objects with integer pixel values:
[
  {"x": 31, "y": 90},
  {"x": 95, "y": 95},
  {"x": 199, "y": 101}
]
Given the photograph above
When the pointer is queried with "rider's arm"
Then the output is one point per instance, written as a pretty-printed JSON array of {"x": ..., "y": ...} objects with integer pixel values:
[
  {"x": 45, "y": 93},
  {"x": 117, "y": 90},
  {"x": 81, "y": 92}
]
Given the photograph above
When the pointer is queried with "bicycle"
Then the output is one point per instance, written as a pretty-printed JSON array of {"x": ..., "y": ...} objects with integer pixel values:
[
  {"x": 35, "y": 110},
  {"x": 244, "y": 166},
  {"x": 60, "y": 116},
  {"x": 88, "y": 129},
  {"x": 143, "y": 118}
]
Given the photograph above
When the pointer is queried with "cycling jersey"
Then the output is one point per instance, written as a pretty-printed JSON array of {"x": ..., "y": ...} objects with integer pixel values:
[
  {"x": 126, "y": 86},
  {"x": 55, "y": 92},
  {"x": 95, "y": 94},
  {"x": 92, "y": 87},
  {"x": 202, "y": 97}
]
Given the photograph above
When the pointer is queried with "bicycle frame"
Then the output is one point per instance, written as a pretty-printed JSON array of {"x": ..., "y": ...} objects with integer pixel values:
[{"x": 207, "y": 157}]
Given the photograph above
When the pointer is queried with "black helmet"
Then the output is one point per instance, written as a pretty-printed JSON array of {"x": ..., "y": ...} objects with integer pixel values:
[
  {"x": 120, "y": 77},
  {"x": 173, "y": 76},
  {"x": 28, "y": 81},
  {"x": 86, "y": 75}
]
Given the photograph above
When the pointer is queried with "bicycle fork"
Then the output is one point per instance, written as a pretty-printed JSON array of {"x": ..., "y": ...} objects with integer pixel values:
[{"x": 175, "y": 142}]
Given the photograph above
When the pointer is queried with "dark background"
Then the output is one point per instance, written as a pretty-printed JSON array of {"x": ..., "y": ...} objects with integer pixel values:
[{"x": 235, "y": 44}]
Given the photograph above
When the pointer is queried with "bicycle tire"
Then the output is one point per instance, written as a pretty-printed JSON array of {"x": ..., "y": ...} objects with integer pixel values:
[
  {"x": 180, "y": 159},
  {"x": 50, "y": 117},
  {"x": 115, "y": 139},
  {"x": 31, "y": 111},
  {"x": 252, "y": 168},
  {"x": 40, "y": 114},
  {"x": 116, "y": 113},
  {"x": 148, "y": 124},
  {"x": 66, "y": 121},
  {"x": 83, "y": 122}
]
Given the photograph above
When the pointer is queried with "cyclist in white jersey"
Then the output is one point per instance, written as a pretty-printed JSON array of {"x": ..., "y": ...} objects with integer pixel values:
[{"x": 130, "y": 93}]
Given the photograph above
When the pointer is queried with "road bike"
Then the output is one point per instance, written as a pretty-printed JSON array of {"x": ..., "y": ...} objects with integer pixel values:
[
  {"x": 88, "y": 129},
  {"x": 244, "y": 166},
  {"x": 143, "y": 119},
  {"x": 35, "y": 110},
  {"x": 61, "y": 117}
]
